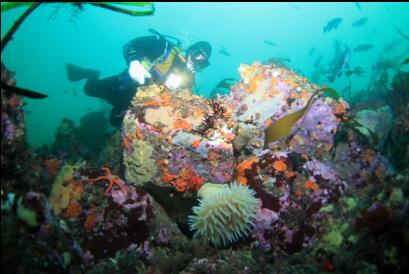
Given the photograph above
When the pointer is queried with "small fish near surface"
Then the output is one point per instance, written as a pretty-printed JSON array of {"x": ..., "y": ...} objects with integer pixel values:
[
  {"x": 223, "y": 51},
  {"x": 358, "y": 5},
  {"x": 363, "y": 47},
  {"x": 223, "y": 87},
  {"x": 333, "y": 24},
  {"x": 358, "y": 71},
  {"x": 23, "y": 92},
  {"x": 270, "y": 43},
  {"x": 360, "y": 22}
]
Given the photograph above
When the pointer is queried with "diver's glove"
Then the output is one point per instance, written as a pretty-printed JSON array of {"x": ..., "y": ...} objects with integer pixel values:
[{"x": 137, "y": 72}]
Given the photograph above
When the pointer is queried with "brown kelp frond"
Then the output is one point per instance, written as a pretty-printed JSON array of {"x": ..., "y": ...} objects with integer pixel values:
[
  {"x": 283, "y": 126},
  {"x": 107, "y": 5},
  {"x": 218, "y": 109}
]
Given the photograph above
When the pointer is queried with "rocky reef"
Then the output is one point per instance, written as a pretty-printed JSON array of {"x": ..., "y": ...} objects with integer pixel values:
[{"x": 327, "y": 196}]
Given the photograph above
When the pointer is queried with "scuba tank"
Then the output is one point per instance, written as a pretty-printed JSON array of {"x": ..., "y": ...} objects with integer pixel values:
[
  {"x": 148, "y": 65},
  {"x": 155, "y": 32},
  {"x": 163, "y": 64}
]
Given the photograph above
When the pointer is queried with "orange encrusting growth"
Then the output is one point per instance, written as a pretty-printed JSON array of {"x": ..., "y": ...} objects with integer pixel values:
[
  {"x": 229, "y": 137},
  {"x": 181, "y": 124},
  {"x": 253, "y": 83},
  {"x": 53, "y": 166},
  {"x": 74, "y": 209},
  {"x": 91, "y": 221},
  {"x": 310, "y": 185},
  {"x": 291, "y": 83},
  {"x": 195, "y": 144},
  {"x": 340, "y": 109},
  {"x": 279, "y": 165},
  {"x": 290, "y": 174},
  {"x": 138, "y": 133},
  {"x": 186, "y": 180},
  {"x": 164, "y": 100},
  {"x": 127, "y": 141},
  {"x": 213, "y": 156},
  {"x": 242, "y": 167},
  {"x": 154, "y": 103}
]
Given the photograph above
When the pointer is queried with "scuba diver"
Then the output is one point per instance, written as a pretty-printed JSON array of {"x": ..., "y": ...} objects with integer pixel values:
[{"x": 150, "y": 59}]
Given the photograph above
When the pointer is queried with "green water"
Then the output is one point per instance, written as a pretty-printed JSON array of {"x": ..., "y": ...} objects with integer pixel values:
[{"x": 49, "y": 38}]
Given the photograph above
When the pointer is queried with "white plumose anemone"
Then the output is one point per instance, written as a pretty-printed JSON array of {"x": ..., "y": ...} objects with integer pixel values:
[{"x": 224, "y": 214}]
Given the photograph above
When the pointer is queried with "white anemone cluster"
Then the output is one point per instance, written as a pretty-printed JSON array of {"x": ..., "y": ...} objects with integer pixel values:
[{"x": 225, "y": 213}]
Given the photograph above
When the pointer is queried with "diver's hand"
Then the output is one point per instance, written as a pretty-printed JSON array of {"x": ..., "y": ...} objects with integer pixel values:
[{"x": 137, "y": 72}]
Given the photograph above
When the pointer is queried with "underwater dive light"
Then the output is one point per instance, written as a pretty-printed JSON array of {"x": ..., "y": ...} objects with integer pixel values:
[{"x": 174, "y": 81}]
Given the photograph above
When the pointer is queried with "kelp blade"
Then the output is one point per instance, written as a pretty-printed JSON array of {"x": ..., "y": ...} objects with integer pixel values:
[
  {"x": 328, "y": 92},
  {"x": 12, "y": 5},
  {"x": 283, "y": 126},
  {"x": 23, "y": 92},
  {"x": 115, "y": 6}
]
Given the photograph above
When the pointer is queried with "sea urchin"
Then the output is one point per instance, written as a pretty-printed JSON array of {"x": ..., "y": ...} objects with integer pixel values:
[{"x": 224, "y": 214}]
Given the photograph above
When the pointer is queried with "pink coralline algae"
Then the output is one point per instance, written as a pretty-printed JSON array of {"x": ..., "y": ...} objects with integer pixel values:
[
  {"x": 163, "y": 235},
  {"x": 317, "y": 128},
  {"x": 294, "y": 177},
  {"x": 130, "y": 199},
  {"x": 322, "y": 170},
  {"x": 264, "y": 220},
  {"x": 183, "y": 140}
]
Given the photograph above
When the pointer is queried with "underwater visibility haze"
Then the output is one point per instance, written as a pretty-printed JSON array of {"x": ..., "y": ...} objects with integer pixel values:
[{"x": 204, "y": 137}]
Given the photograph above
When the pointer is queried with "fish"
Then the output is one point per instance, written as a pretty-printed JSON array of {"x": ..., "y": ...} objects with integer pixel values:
[
  {"x": 363, "y": 47},
  {"x": 384, "y": 64},
  {"x": 23, "y": 92},
  {"x": 358, "y": 5},
  {"x": 333, "y": 24},
  {"x": 270, "y": 43},
  {"x": 223, "y": 87},
  {"x": 392, "y": 45},
  {"x": 340, "y": 65},
  {"x": 223, "y": 50},
  {"x": 357, "y": 71},
  {"x": 406, "y": 61},
  {"x": 360, "y": 22}
]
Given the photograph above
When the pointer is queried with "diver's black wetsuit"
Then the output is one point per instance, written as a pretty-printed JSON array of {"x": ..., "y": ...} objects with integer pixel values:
[{"x": 118, "y": 90}]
